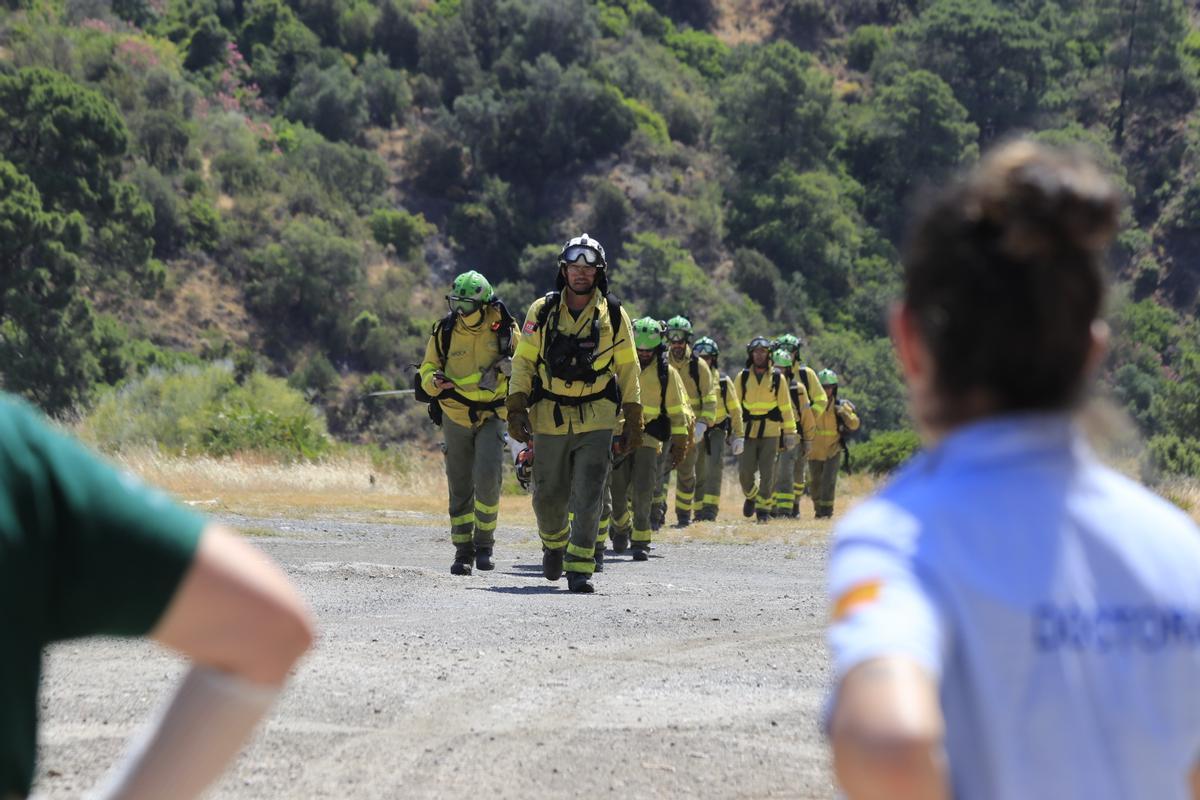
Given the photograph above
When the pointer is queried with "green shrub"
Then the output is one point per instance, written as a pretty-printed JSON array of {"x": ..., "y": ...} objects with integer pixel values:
[
  {"x": 204, "y": 225},
  {"x": 403, "y": 231},
  {"x": 648, "y": 121},
  {"x": 316, "y": 375},
  {"x": 885, "y": 451},
  {"x": 865, "y": 43},
  {"x": 333, "y": 102},
  {"x": 700, "y": 50},
  {"x": 1170, "y": 455},
  {"x": 205, "y": 410}
]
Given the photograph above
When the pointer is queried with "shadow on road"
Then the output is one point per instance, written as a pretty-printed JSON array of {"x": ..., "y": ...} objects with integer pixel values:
[
  {"x": 524, "y": 568},
  {"x": 551, "y": 589}
]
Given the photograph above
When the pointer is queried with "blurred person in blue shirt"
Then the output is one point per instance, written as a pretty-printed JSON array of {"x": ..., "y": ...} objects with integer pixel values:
[{"x": 1010, "y": 618}]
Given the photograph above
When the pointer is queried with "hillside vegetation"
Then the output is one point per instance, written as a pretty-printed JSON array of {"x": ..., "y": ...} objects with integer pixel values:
[{"x": 287, "y": 187}]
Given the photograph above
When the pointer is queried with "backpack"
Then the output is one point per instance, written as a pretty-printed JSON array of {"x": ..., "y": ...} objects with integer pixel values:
[
  {"x": 660, "y": 427},
  {"x": 443, "y": 330},
  {"x": 724, "y": 382}
]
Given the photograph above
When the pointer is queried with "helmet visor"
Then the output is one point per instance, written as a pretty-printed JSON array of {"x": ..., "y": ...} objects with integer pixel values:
[
  {"x": 676, "y": 336},
  {"x": 583, "y": 253},
  {"x": 463, "y": 305}
]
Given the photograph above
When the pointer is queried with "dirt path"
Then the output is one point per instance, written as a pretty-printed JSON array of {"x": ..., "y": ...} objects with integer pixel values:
[{"x": 699, "y": 673}]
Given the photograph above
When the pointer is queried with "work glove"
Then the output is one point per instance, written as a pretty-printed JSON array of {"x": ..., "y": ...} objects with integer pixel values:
[
  {"x": 701, "y": 427},
  {"x": 845, "y": 405},
  {"x": 518, "y": 417},
  {"x": 679, "y": 447},
  {"x": 790, "y": 440},
  {"x": 632, "y": 432},
  {"x": 737, "y": 446}
]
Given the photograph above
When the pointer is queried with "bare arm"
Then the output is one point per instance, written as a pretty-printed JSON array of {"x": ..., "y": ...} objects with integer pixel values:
[
  {"x": 887, "y": 733},
  {"x": 236, "y": 611},
  {"x": 243, "y": 626}
]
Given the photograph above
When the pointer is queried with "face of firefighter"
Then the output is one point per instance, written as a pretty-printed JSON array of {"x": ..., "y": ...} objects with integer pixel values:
[
  {"x": 760, "y": 357},
  {"x": 581, "y": 277},
  {"x": 645, "y": 357},
  {"x": 678, "y": 350},
  {"x": 710, "y": 360}
]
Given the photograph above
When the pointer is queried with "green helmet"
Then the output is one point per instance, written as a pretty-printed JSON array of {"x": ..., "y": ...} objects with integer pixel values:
[
  {"x": 788, "y": 342},
  {"x": 782, "y": 357},
  {"x": 757, "y": 342},
  {"x": 679, "y": 329},
  {"x": 705, "y": 346},
  {"x": 647, "y": 333},
  {"x": 469, "y": 292},
  {"x": 827, "y": 377}
]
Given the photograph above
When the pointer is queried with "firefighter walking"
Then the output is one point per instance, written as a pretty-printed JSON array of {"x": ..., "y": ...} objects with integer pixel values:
[
  {"x": 767, "y": 414},
  {"x": 787, "y": 487},
  {"x": 832, "y": 427},
  {"x": 667, "y": 421},
  {"x": 701, "y": 397},
  {"x": 575, "y": 367},
  {"x": 727, "y": 427},
  {"x": 817, "y": 400},
  {"x": 464, "y": 377}
]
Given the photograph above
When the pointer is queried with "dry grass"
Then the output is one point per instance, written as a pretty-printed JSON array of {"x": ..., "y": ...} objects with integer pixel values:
[
  {"x": 344, "y": 487},
  {"x": 252, "y": 487}
]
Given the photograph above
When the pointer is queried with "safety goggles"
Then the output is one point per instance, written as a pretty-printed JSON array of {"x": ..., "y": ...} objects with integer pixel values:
[
  {"x": 463, "y": 305},
  {"x": 581, "y": 252},
  {"x": 677, "y": 336}
]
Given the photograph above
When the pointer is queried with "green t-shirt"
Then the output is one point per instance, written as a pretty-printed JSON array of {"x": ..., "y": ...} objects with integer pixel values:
[{"x": 84, "y": 549}]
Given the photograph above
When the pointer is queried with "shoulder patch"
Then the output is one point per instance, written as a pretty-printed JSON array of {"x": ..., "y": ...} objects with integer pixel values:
[
  {"x": 530, "y": 327},
  {"x": 858, "y": 595}
]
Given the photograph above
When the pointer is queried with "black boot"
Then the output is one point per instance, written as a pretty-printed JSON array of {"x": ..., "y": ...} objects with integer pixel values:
[
  {"x": 552, "y": 563},
  {"x": 658, "y": 515},
  {"x": 795, "y": 509},
  {"x": 578, "y": 582},
  {"x": 764, "y": 517},
  {"x": 684, "y": 518},
  {"x": 641, "y": 552},
  {"x": 748, "y": 507},
  {"x": 483, "y": 558},
  {"x": 599, "y": 558},
  {"x": 619, "y": 542},
  {"x": 464, "y": 554}
]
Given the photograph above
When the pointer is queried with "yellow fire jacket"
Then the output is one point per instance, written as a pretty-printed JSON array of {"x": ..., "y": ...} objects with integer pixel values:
[
  {"x": 702, "y": 397},
  {"x": 827, "y": 442},
  {"x": 728, "y": 407},
  {"x": 769, "y": 411},
  {"x": 802, "y": 408},
  {"x": 678, "y": 411},
  {"x": 473, "y": 350},
  {"x": 617, "y": 361}
]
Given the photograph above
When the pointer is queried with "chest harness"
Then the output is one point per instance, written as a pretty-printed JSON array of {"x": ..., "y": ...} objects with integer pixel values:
[{"x": 571, "y": 358}]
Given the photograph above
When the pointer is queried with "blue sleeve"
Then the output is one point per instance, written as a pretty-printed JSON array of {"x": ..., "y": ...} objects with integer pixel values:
[{"x": 880, "y": 605}]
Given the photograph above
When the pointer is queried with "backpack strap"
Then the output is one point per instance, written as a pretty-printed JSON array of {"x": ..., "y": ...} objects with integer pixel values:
[
  {"x": 664, "y": 377},
  {"x": 694, "y": 371},
  {"x": 504, "y": 337},
  {"x": 614, "y": 316},
  {"x": 443, "y": 329}
]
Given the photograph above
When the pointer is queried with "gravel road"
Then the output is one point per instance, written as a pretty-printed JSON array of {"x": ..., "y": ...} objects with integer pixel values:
[{"x": 699, "y": 673}]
